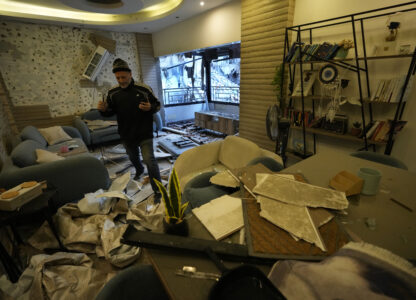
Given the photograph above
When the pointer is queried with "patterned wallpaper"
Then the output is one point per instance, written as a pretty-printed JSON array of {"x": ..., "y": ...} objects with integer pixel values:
[{"x": 42, "y": 64}]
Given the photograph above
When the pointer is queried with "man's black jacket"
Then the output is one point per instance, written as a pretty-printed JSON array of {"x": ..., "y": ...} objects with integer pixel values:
[{"x": 134, "y": 124}]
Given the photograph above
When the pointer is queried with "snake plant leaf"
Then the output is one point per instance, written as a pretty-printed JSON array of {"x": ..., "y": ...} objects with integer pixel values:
[
  {"x": 183, "y": 208},
  {"x": 174, "y": 194},
  {"x": 175, "y": 181},
  {"x": 165, "y": 198}
]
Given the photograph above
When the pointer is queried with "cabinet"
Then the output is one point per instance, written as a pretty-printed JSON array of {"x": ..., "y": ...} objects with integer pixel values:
[
  {"x": 217, "y": 121},
  {"x": 358, "y": 65}
]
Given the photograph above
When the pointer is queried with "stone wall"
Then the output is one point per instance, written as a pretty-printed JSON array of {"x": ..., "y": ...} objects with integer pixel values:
[{"x": 42, "y": 64}]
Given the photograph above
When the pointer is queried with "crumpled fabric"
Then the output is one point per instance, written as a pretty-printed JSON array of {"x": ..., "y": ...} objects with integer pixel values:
[
  {"x": 146, "y": 216},
  {"x": 115, "y": 252},
  {"x": 100, "y": 202},
  {"x": 68, "y": 276},
  {"x": 356, "y": 271},
  {"x": 85, "y": 233}
]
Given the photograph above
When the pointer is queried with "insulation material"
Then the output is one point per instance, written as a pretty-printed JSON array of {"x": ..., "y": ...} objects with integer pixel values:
[
  {"x": 299, "y": 193},
  {"x": 224, "y": 178},
  {"x": 292, "y": 218}
]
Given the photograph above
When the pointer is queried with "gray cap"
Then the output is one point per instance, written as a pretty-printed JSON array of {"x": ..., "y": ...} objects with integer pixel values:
[{"x": 120, "y": 65}]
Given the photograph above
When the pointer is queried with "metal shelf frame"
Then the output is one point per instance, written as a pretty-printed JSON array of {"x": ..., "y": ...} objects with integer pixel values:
[{"x": 355, "y": 20}]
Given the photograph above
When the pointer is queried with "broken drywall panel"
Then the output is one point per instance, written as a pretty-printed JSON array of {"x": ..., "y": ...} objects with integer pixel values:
[
  {"x": 299, "y": 193},
  {"x": 320, "y": 216},
  {"x": 224, "y": 178},
  {"x": 292, "y": 218}
]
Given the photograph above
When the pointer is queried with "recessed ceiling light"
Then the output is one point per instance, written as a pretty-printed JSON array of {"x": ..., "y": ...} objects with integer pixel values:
[{"x": 202, "y": 3}]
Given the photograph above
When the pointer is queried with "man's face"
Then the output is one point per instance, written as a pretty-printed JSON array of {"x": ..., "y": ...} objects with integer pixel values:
[{"x": 123, "y": 78}]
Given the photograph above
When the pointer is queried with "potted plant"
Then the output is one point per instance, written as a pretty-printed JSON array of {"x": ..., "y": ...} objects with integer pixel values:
[
  {"x": 173, "y": 222},
  {"x": 356, "y": 129}
]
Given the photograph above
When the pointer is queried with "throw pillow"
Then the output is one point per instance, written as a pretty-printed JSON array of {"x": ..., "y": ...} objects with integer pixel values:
[
  {"x": 54, "y": 135},
  {"x": 44, "y": 156}
]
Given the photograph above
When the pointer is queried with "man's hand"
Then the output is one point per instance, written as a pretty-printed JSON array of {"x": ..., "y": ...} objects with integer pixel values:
[
  {"x": 102, "y": 106},
  {"x": 145, "y": 106}
]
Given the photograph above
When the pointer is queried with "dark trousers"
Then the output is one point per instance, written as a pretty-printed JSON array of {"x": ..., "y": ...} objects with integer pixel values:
[{"x": 146, "y": 148}]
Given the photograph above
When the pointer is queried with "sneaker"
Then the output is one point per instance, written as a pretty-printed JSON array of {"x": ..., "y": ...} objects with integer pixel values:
[{"x": 137, "y": 176}]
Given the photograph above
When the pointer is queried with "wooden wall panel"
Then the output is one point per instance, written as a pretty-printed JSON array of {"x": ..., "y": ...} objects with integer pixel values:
[
  {"x": 263, "y": 24},
  {"x": 149, "y": 66}
]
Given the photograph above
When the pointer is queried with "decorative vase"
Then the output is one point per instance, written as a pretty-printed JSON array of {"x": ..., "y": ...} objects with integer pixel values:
[
  {"x": 355, "y": 131},
  {"x": 179, "y": 228}
]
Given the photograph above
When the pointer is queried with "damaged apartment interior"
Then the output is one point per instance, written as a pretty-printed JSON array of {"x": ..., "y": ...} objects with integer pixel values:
[{"x": 215, "y": 149}]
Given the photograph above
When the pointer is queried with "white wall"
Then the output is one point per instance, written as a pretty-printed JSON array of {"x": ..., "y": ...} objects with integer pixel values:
[
  {"x": 216, "y": 27},
  {"x": 308, "y": 11},
  {"x": 179, "y": 113}
]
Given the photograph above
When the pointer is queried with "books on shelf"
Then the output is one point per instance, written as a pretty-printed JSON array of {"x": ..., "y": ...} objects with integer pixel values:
[
  {"x": 390, "y": 90},
  {"x": 308, "y": 81},
  {"x": 379, "y": 131},
  {"x": 313, "y": 52}
]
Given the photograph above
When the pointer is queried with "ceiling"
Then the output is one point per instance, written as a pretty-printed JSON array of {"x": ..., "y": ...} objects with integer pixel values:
[{"x": 145, "y": 16}]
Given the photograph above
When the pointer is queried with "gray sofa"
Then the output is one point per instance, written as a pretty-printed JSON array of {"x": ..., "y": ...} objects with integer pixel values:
[
  {"x": 72, "y": 177},
  {"x": 106, "y": 134},
  {"x": 97, "y": 136}
]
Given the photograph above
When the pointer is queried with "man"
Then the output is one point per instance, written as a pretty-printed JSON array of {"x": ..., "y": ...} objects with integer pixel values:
[{"x": 134, "y": 104}]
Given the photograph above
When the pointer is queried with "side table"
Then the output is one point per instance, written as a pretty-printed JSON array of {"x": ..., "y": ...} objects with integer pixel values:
[{"x": 40, "y": 207}]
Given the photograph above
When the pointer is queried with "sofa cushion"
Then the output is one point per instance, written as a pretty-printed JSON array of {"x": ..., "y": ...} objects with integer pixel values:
[
  {"x": 32, "y": 133},
  {"x": 44, "y": 156},
  {"x": 237, "y": 152},
  {"x": 268, "y": 162},
  {"x": 24, "y": 154},
  {"x": 94, "y": 114},
  {"x": 54, "y": 135},
  {"x": 73, "y": 143}
]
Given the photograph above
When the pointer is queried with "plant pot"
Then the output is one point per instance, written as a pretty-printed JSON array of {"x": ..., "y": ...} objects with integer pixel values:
[
  {"x": 355, "y": 131},
  {"x": 180, "y": 228}
]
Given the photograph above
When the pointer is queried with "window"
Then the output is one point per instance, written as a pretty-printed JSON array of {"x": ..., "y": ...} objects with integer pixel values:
[
  {"x": 181, "y": 80},
  {"x": 211, "y": 74},
  {"x": 225, "y": 80}
]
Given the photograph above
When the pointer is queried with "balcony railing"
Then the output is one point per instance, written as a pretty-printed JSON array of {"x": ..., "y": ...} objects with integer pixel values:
[
  {"x": 225, "y": 94},
  {"x": 179, "y": 96}
]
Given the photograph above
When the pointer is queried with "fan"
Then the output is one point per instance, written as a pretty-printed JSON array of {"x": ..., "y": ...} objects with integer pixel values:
[{"x": 272, "y": 121}]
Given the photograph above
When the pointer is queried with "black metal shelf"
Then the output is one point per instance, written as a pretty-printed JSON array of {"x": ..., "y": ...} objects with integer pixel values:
[
  {"x": 351, "y": 59},
  {"x": 347, "y": 137},
  {"x": 359, "y": 65}
]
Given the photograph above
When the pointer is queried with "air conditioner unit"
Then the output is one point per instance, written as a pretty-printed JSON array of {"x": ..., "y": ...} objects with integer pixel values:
[{"x": 96, "y": 62}]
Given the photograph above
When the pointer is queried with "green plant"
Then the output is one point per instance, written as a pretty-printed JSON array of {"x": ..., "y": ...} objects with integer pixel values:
[
  {"x": 172, "y": 199},
  {"x": 278, "y": 83},
  {"x": 356, "y": 124}
]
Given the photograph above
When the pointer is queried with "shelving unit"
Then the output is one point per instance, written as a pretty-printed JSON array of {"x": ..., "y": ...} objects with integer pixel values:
[{"x": 358, "y": 64}]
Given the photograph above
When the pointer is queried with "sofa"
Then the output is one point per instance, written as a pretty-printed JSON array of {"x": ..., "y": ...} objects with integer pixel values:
[
  {"x": 107, "y": 133},
  {"x": 72, "y": 176},
  {"x": 195, "y": 166},
  {"x": 100, "y": 135}
]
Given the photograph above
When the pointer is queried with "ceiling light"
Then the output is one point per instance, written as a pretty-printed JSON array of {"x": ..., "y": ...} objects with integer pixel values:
[{"x": 202, "y": 3}]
